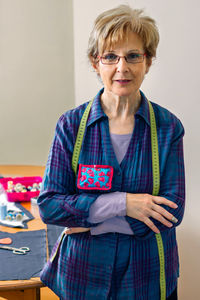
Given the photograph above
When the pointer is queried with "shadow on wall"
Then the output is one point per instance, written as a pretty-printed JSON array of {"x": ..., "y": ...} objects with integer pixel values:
[{"x": 189, "y": 251}]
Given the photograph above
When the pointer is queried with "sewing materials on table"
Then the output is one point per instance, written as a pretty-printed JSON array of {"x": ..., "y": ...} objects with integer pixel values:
[
  {"x": 3, "y": 211},
  {"x": 20, "y": 189},
  {"x": 3, "y": 195},
  {"x": 14, "y": 215},
  {"x": 6, "y": 241},
  {"x": 3, "y": 201},
  {"x": 23, "y": 267},
  {"x": 17, "y": 216},
  {"x": 19, "y": 251},
  {"x": 11, "y": 214}
]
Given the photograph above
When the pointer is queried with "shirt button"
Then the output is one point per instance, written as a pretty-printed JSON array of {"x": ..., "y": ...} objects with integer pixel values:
[{"x": 118, "y": 173}]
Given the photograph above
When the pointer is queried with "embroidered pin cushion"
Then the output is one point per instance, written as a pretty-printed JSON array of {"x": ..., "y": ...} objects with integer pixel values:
[{"x": 95, "y": 177}]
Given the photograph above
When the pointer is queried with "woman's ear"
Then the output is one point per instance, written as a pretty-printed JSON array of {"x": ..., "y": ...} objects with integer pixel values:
[
  {"x": 95, "y": 64},
  {"x": 96, "y": 67}
]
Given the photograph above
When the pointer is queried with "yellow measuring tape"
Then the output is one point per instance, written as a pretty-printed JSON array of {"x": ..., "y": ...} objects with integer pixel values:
[
  {"x": 79, "y": 138},
  {"x": 156, "y": 178},
  {"x": 156, "y": 187}
]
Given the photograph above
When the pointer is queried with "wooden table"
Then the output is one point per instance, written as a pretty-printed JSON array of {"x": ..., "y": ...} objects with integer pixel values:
[{"x": 23, "y": 289}]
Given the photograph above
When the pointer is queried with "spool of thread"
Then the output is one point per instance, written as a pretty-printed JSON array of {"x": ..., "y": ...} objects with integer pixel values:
[{"x": 3, "y": 211}]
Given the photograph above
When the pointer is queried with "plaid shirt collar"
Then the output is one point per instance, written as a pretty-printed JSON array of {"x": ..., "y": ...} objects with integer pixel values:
[{"x": 97, "y": 112}]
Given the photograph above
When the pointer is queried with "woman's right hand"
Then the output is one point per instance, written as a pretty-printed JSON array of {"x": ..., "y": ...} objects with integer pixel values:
[{"x": 144, "y": 206}]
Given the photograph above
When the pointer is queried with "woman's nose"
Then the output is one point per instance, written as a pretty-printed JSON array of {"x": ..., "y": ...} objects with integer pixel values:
[{"x": 122, "y": 65}]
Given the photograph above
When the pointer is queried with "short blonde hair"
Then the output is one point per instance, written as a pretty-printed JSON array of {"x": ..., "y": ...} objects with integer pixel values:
[{"x": 114, "y": 25}]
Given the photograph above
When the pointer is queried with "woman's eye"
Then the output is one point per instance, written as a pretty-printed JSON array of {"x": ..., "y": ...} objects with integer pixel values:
[
  {"x": 110, "y": 57},
  {"x": 133, "y": 56}
]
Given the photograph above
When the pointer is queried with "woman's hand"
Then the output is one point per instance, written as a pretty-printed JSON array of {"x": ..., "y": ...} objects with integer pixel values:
[
  {"x": 144, "y": 206},
  {"x": 76, "y": 230}
]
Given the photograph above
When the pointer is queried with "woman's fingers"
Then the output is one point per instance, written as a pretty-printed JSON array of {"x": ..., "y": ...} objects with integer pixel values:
[
  {"x": 174, "y": 220},
  {"x": 161, "y": 219},
  {"x": 76, "y": 230},
  {"x": 163, "y": 212},
  {"x": 151, "y": 225},
  {"x": 145, "y": 206},
  {"x": 162, "y": 200}
]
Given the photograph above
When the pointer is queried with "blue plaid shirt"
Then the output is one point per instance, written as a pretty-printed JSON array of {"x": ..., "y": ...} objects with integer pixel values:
[{"x": 83, "y": 268}]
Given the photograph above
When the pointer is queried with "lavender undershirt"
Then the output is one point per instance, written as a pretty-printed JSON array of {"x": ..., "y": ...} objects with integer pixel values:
[{"x": 110, "y": 209}]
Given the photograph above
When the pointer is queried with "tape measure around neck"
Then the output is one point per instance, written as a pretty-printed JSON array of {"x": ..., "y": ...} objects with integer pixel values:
[
  {"x": 156, "y": 187},
  {"x": 156, "y": 178},
  {"x": 79, "y": 138}
]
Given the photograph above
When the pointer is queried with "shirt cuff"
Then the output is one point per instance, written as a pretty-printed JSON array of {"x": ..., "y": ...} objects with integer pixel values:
[
  {"x": 116, "y": 224},
  {"x": 107, "y": 206}
]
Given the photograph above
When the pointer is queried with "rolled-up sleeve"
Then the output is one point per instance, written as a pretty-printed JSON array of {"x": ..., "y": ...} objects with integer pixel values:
[
  {"x": 172, "y": 183},
  {"x": 108, "y": 206},
  {"x": 109, "y": 209},
  {"x": 58, "y": 202}
]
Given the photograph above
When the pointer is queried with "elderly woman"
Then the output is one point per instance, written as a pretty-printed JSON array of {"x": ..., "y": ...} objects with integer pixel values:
[{"x": 109, "y": 249}]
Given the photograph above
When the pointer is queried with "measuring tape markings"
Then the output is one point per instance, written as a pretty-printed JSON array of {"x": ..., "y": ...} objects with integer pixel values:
[
  {"x": 79, "y": 139},
  {"x": 156, "y": 187}
]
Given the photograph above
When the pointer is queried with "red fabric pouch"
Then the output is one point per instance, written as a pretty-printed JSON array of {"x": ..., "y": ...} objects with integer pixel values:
[{"x": 95, "y": 177}]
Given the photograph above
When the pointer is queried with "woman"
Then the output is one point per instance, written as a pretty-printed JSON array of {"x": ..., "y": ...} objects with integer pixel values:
[{"x": 109, "y": 250}]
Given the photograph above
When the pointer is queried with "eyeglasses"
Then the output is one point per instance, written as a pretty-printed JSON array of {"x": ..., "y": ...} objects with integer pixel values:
[{"x": 131, "y": 58}]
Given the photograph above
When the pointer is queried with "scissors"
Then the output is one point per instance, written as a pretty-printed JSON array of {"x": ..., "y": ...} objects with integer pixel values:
[{"x": 22, "y": 250}]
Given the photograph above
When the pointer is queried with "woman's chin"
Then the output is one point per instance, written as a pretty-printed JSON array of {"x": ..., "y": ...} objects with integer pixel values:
[{"x": 123, "y": 93}]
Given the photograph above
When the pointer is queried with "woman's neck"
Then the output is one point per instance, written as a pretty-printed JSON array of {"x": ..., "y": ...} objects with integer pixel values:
[
  {"x": 121, "y": 107},
  {"x": 120, "y": 112}
]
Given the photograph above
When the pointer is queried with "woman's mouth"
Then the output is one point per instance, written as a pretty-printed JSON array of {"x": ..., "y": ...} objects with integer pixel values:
[{"x": 123, "y": 81}]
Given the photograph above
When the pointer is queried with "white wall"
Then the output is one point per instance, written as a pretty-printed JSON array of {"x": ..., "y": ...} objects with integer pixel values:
[
  {"x": 173, "y": 82},
  {"x": 36, "y": 76}
]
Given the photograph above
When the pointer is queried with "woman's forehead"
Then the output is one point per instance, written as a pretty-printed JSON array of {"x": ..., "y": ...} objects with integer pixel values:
[{"x": 128, "y": 42}]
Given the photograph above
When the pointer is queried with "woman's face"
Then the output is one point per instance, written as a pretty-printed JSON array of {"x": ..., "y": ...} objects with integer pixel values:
[{"x": 122, "y": 78}]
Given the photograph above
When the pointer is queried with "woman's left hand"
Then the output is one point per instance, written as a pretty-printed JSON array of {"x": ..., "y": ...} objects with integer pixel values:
[{"x": 76, "y": 230}]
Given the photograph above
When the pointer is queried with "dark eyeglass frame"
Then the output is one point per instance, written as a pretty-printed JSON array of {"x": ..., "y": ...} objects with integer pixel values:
[{"x": 142, "y": 55}]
